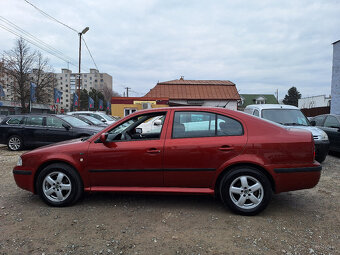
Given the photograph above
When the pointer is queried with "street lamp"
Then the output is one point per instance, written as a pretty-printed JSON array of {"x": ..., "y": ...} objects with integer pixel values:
[{"x": 80, "y": 34}]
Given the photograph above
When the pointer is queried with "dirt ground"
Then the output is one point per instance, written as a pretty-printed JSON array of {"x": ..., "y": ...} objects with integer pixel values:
[{"x": 299, "y": 222}]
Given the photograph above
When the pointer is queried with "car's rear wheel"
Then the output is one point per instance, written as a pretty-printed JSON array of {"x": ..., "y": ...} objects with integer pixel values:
[
  {"x": 59, "y": 185},
  {"x": 15, "y": 143},
  {"x": 245, "y": 190}
]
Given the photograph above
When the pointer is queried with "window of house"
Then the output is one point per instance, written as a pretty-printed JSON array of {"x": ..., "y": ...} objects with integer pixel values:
[{"x": 128, "y": 111}]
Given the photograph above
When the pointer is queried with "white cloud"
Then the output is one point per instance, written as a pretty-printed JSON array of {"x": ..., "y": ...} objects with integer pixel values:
[{"x": 259, "y": 45}]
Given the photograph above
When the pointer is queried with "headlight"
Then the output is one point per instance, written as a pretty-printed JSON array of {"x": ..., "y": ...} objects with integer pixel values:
[
  {"x": 19, "y": 163},
  {"x": 324, "y": 136}
]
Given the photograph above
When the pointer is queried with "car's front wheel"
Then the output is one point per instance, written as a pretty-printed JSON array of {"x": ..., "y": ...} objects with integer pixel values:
[
  {"x": 245, "y": 190},
  {"x": 59, "y": 185},
  {"x": 15, "y": 143}
]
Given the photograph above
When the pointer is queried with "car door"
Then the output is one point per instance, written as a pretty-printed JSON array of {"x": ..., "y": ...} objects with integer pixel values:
[
  {"x": 128, "y": 158},
  {"x": 34, "y": 130},
  {"x": 55, "y": 131},
  {"x": 197, "y": 144},
  {"x": 332, "y": 128}
]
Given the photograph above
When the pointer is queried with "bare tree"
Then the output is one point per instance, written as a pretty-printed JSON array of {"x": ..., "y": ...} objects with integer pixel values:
[
  {"x": 43, "y": 76},
  {"x": 108, "y": 93},
  {"x": 19, "y": 62}
]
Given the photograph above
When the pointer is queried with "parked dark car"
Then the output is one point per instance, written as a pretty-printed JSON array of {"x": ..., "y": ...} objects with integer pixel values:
[
  {"x": 196, "y": 150},
  {"x": 91, "y": 120},
  {"x": 19, "y": 131},
  {"x": 330, "y": 123}
]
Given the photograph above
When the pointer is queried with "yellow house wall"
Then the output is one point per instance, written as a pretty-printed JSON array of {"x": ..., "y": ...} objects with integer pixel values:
[{"x": 118, "y": 109}]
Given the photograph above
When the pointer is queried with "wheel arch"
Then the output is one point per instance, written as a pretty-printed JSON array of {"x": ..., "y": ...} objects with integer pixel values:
[
  {"x": 231, "y": 167},
  {"x": 50, "y": 162}
]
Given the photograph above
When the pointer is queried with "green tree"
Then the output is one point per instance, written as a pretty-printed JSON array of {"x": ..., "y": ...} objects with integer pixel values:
[
  {"x": 96, "y": 95},
  {"x": 292, "y": 97}
]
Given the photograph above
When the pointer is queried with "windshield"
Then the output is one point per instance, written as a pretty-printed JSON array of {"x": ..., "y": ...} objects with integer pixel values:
[
  {"x": 93, "y": 120},
  {"x": 108, "y": 117},
  {"x": 288, "y": 117},
  {"x": 74, "y": 121}
]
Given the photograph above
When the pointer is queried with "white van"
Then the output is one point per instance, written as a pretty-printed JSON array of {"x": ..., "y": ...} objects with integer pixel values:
[{"x": 291, "y": 116}]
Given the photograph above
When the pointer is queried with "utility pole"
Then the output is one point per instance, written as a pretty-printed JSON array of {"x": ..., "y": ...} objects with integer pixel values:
[
  {"x": 277, "y": 95},
  {"x": 80, "y": 34},
  {"x": 127, "y": 91}
]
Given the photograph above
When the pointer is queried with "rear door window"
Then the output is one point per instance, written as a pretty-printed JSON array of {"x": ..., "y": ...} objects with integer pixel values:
[
  {"x": 34, "y": 121},
  {"x": 228, "y": 127},
  {"x": 54, "y": 122}
]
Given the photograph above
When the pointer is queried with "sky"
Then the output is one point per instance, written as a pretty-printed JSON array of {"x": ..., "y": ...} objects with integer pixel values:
[{"x": 261, "y": 46}]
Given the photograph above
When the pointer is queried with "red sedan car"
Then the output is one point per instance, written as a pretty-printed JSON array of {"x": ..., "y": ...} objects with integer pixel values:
[{"x": 196, "y": 150}]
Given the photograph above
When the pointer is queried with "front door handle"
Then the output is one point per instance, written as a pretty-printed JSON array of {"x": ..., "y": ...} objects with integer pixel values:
[
  {"x": 153, "y": 151},
  {"x": 226, "y": 148}
]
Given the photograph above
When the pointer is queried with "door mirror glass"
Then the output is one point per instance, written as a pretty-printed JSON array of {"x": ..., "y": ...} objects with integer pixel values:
[{"x": 139, "y": 130}]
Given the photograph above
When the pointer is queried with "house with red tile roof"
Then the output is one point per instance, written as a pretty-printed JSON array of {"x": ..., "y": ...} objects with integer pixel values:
[{"x": 181, "y": 92}]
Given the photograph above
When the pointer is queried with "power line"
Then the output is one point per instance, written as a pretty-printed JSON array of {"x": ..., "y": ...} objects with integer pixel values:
[
  {"x": 50, "y": 17},
  {"x": 90, "y": 53},
  {"x": 42, "y": 47},
  {"x": 37, "y": 40},
  {"x": 58, "y": 21}
]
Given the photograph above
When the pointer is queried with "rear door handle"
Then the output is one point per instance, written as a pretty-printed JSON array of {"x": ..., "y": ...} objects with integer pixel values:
[
  {"x": 153, "y": 151},
  {"x": 226, "y": 148}
]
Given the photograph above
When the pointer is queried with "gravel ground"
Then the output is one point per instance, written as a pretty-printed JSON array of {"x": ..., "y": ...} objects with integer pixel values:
[{"x": 299, "y": 222}]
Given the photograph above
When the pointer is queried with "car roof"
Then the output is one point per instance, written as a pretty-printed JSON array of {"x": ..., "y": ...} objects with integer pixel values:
[{"x": 271, "y": 106}]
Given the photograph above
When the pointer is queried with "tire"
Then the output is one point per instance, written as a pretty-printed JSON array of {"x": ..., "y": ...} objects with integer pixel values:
[
  {"x": 15, "y": 143},
  {"x": 59, "y": 185},
  {"x": 321, "y": 158},
  {"x": 245, "y": 190}
]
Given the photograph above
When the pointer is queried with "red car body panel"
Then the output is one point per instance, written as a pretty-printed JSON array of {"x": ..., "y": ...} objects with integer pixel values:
[{"x": 181, "y": 165}]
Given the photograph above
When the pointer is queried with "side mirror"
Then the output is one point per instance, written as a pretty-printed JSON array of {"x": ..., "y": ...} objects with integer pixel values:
[
  {"x": 139, "y": 130},
  {"x": 157, "y": 123},
  {"x": 66, "y": 126},
  {"x": 313, "y": 123},
  {"x": 103, "y": 137},
  {"x": 103, "y": 120}
]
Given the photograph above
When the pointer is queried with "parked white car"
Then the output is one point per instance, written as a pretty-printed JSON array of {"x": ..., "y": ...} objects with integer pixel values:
[
  {"x": 98, "y": 115},
  {"x": 292, "y": 117}
]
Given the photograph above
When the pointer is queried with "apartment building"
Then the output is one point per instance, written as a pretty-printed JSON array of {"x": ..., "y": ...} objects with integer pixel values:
[
  {"x": 6, "y": 81},
  {"x": 67, "y": 82}
]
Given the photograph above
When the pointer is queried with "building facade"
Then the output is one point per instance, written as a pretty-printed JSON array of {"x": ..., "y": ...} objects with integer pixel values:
[
  {"x": 247, "y": 99},
  {"x": 123, "y": 106},
  {"x": 67, "y": 83},
  {"x": 214, "y": 93},
  {"x": 314, "y": 102}
]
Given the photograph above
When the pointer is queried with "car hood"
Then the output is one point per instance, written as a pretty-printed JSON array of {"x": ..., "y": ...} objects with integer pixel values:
[{"x": 318, "y": 134}]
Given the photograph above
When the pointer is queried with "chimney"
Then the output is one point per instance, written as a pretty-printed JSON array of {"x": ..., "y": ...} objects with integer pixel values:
[{"x": 182, "y": 78}]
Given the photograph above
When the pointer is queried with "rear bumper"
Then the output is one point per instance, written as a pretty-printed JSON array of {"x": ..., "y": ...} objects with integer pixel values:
[{"x": 295, "y": 178}]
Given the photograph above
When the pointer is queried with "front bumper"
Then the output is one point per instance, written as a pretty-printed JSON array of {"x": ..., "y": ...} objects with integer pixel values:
[
  {"x": 23, "y": 178},
  {"x": 321, "y": 150}
]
